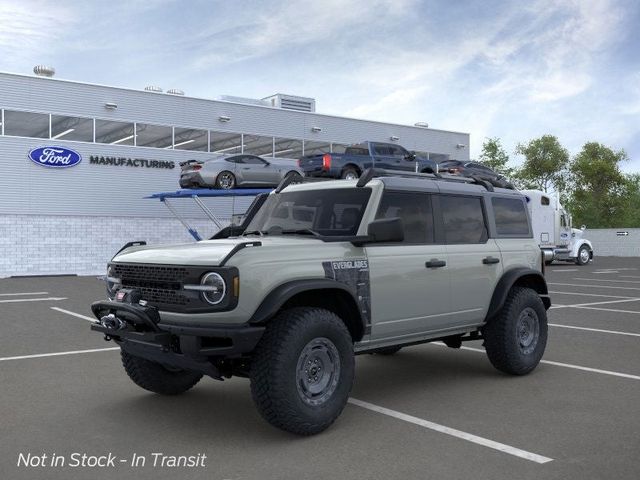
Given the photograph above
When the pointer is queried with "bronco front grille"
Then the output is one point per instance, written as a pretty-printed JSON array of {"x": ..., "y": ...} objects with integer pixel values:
[{"x": 159, "y": 285}]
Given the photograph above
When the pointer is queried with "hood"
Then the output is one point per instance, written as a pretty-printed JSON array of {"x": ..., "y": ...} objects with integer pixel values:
[{"x": 207, "y": 252}]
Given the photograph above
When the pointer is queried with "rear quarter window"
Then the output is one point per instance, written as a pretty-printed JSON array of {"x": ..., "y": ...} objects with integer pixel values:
[{"x": 511, "y": 217}]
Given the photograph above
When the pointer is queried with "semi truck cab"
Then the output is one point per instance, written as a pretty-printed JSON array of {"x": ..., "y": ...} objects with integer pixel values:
[{"x": 552, "y": 228}]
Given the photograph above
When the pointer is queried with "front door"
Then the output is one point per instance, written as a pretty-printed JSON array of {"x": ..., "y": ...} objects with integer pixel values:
[{"x": 410, "y": 283}]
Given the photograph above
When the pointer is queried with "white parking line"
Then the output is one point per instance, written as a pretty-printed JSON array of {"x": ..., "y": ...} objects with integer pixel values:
[
  {"x": 533, "y": 457},
  {"x": 589, "y": 294},
  {"x": 74, "y": 314},
  {"x": 629, "y": 276},
  {"x": 559, "y": 364},
  {"x": 594, "y": 286},
  {"x": 23, "y": 293},
  {"x": 606, "y": 280},
  {"x": 56, "y": 354},
  {"x": 610, "y": 310},
  {"x": 48, "y": 299},
  {"x": 578, "y": 305},
  {"x": 562, "y": 271},
  {"x": 598, "y": 330}
]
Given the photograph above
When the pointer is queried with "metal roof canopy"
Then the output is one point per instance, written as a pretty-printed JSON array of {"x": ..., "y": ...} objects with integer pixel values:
[{"x": 195, "y": 194}]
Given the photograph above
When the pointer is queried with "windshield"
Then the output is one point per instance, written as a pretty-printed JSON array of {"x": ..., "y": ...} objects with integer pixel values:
[{"x": 334, "y": 212}]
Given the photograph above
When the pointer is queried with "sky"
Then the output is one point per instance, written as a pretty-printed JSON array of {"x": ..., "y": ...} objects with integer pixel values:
[{"x": 509, "y": 69}]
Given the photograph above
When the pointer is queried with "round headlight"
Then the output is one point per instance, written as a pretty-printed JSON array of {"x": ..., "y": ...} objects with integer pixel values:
[{"x": 215, "y": 288}]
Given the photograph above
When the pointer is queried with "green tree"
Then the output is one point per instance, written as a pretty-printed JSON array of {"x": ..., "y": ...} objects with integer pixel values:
[
  {"x": 601, "y": 193},
  {"x": 495, "y": 157},
  {"x": 545, "y": 166}
]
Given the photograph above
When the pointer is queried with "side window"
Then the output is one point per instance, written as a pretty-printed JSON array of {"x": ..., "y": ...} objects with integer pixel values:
[
  {"x": 398, "y": 151},
  {"x": 511, "y": 217},
  {"x": 381, "y": 149},
  {"x": 253, "y": 160},
  {"x": 415, "y": 212},
  {"x": 463, "y": 219},
  {"x": 544, "y": 200},
  {"x": 234, "y": 160}
]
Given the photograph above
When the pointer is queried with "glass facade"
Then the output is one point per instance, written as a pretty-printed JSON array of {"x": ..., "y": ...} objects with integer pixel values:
[{"x": 116, "y": 132}]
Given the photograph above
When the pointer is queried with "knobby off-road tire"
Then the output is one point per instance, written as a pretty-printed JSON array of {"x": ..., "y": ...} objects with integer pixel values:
[
  {"x": 156, "y": 378},
  {"x": 302, "y": 370},
  {"x": 516, "y": 338}
]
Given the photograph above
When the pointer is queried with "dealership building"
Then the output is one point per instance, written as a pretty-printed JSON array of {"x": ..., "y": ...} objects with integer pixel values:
[{"x": 129, "y": 144}]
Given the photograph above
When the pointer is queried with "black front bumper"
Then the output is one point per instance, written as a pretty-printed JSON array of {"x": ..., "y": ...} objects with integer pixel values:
[{"x": 189, "y": 348}]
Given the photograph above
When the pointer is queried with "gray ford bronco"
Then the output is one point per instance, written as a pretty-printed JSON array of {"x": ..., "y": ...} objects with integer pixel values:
[{"x": 323, "y": 271}]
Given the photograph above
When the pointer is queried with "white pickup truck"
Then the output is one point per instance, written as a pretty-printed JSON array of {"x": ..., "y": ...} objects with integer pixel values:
[{"x": 552, "y": 228}]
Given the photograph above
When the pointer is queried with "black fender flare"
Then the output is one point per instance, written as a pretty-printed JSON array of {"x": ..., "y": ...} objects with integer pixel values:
[
  {"x": 527, "y": 277},
  {"x": 277, "y": 297}
]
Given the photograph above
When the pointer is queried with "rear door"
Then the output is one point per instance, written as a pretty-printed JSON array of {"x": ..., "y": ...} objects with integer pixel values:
[
  {"x": 475, "y": 263},
  {"x": 410, "y": 285}
]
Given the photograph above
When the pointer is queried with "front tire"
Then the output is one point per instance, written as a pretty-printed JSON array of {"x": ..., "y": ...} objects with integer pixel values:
[
  {"x": 516, "y": 338},
  {"x": 584, "y": 255},
  {"x": 157, "y": 378},
  {"x": 225, "y": 180},
  {"x": 302, "y": 370}
]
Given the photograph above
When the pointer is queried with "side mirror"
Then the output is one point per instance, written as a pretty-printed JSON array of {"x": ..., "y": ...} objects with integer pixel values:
[
  {"x": 386, "y": 230},
  {"x": 410, "y": 156},
  {"x": 583, "y": 227}
]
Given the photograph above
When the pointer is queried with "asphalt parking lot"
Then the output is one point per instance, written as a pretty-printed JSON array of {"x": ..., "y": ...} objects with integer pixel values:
[{"x": 427, "y": 412}]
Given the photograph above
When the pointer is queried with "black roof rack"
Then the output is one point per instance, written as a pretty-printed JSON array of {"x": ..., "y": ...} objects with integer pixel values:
[{"x": 487, "y": 182}]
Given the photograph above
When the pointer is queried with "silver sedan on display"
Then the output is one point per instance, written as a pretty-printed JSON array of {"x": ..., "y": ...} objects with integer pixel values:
[{"x": 231, "y": 171}]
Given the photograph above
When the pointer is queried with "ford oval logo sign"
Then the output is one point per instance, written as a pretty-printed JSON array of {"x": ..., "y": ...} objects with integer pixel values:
[{"x": 56, "y": 157}]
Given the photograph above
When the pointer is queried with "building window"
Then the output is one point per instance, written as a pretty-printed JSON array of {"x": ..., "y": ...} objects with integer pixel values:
[
  {"x": 257, "y": 145},
  {"x": 190, "y": 139},
  {"x": 115, "y": 133},
  {"x": 287, "y": 148},
  {"x": 316, "y": 148},
  {"x": 225, "y": 143},
  {"x": 338, "y": 148},
  {"x": 156, "y": 136},
  {"x": 71, "y": 128},
  {"x": 26, "y": 124}
]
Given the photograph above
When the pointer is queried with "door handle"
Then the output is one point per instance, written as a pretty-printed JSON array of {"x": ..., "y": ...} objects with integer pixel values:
[
  {"x": 435, "y": 263},
  {"x": 490, "y": 260}
]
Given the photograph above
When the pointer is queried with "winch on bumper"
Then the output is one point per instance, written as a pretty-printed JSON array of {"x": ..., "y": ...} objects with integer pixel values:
[{"x": 137, "y": 328}]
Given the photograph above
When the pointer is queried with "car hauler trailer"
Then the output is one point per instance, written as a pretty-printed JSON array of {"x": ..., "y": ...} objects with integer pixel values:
[{"x": 552, "y": 228}]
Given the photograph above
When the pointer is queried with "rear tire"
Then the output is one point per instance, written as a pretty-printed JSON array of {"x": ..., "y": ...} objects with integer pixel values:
[
  {"x": 350, "y": 173},
  {"x": 225, "y": 180},
  {"x": 157, "y": 378},
  {"x": 297, "y": 178},
  {"x": 302, "y": 370},
  {"x": 516, "y": 338}
]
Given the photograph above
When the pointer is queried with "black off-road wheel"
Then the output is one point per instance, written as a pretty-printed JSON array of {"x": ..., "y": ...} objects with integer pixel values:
[
  {"x": 157, "y": 378},
  {"x": 388, "y": 350},
  {"x": 302, "y": 370},
  {"x": 225, "y": 180},
  {"x": 350, "y": 173},
  {"x": 516, "y": 338}
]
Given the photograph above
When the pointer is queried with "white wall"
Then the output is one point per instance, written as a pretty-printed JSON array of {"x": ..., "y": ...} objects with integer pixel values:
[
  {"x": 52, "y": 245},
  {"x": 606, "y": 242}
]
